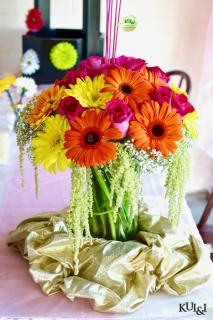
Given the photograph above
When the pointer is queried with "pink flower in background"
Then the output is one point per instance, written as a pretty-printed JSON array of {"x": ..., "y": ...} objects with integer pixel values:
[
  {"x": 131, "y": 63},
  {"x": 70, "y": 107},
  {"x": 181, "y": 104},
  {"x": 159, "y": 73},
  {"x": 120, "y": 114},
  {"x": 162, "y": 94}
]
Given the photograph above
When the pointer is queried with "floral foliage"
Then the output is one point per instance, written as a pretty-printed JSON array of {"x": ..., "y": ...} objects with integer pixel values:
[
  {"x": 128, "y": 98},
  {"x": 111, "y": 122}
]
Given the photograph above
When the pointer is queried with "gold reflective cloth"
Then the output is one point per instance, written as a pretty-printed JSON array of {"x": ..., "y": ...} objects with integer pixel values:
[{"x": 116, "y": 276}]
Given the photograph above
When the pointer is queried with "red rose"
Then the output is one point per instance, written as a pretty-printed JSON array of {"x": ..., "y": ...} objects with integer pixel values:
[
  {"x": 34, "y": 20},
  {"x": 70, "y": 107},
  {"x": 70, "y": 78}
]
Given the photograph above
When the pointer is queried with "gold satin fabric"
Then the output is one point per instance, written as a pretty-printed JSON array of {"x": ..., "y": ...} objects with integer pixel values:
[{"x": 116, "y": 276}]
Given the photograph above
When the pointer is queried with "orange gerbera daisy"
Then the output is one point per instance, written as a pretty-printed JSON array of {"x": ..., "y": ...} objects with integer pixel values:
[
  {"x": 47, "y": 102},
  {"x": 153, "y": 79},
  {"x": 128, "y": 85},
  {"x": 87, "y": 142},
  {"x": 156, "y": 127}
]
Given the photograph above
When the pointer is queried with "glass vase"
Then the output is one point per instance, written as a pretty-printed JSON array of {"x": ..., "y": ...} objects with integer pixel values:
[{"x": 104, "y": 223}]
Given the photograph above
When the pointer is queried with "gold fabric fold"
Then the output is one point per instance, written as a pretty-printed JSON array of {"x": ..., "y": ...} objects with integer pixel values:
[{"x": 116, "y": 276}]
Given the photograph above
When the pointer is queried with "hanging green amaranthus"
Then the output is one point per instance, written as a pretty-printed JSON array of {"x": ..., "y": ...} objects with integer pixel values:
[{"x": 177, "y": 177}]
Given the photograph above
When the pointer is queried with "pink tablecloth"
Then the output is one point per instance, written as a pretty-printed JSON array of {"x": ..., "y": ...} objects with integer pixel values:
[
  {"x": 21, "y": 297},
  {"x": 18, "y": 203}
]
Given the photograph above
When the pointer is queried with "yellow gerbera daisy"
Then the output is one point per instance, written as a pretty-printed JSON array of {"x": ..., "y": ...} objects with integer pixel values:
[
  {"x": 177, "y": 89},
  {"x": 89, "y": 92},
  {"x": 48, "y": 146},
  {"x": 190, "y": 123},
  {"x": 6, "y": 83}
]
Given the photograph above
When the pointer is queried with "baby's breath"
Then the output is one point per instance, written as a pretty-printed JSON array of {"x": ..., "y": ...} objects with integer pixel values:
[{"x": 148, "y": 161}]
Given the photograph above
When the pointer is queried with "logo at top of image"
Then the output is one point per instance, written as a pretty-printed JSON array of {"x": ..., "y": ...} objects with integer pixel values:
[{"x": 129, "y": 23}]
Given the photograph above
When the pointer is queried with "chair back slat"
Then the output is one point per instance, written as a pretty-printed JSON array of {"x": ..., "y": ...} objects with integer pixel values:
[{"x": 184, "y": 79}]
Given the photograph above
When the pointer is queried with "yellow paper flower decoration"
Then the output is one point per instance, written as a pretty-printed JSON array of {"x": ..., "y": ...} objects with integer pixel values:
[
  {"x": 6, "y": 83},
  {"x": 190, "y": 123},
  {"x": 88, "y": 92},
  {"x": 63, "y": 56},
  {"x": 177, "y": 89},
  {"x": 48, "y": 145}
]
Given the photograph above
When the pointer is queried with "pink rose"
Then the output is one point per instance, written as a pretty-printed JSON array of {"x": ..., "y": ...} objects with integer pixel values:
[
  {"x": 162, "y": 94},
  {"x": 159, "y": 73},
  {"x": 181, "y": 104},
  {"x": 93, "y": 66},
  {"x": 70, "y": 107},
  {"x": 120, "y": 114},
  {"x": 134, "y": 64}
]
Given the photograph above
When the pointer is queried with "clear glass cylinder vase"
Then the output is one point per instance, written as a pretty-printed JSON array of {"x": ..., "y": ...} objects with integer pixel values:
[{"x": 104, "y": 223}]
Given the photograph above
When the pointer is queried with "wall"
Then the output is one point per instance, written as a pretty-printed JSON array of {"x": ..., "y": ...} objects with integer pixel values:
[
  {"x": 12, "y": 17},
  {"x": 171, "y": 33}
]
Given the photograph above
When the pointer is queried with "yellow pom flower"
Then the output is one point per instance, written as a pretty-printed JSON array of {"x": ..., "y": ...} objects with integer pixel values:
[
  {"x": 48, "y": 146},
  {"x": 190, "y": 124},
  {"x": 177, "y": 89},
  {"x": 88, "y": 92},
  {"x": 63, "y": 56},
  {"x": 6, "y": 83}
]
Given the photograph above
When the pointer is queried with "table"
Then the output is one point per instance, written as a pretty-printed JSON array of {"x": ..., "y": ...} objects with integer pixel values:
[{"x": 20, "y": 297}]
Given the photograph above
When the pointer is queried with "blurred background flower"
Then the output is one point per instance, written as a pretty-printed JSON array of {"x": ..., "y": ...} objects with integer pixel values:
[
  {"x": 6, "y": 83},
  {"x": 30, "y": 62},
  {"x": 34, "y": 20},
  {"x": 63, "y": 56},
  {"x": 26, "y": 87}
]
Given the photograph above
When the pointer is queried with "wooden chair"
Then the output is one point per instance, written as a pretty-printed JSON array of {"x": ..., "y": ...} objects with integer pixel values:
[
  {"x": 206, "y": 230},
  {"x": 182, "y": 79}
]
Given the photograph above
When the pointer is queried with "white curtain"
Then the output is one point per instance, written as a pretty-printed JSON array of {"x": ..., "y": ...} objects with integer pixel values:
[{"x": 205, "y": 98}]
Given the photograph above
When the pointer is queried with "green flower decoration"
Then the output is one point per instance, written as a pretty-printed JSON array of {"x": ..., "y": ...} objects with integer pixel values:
[{"x": 63, "y": 56}]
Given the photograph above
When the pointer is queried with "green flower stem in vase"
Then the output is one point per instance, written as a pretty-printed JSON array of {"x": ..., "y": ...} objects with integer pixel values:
[{"x": 115, "y": 201}]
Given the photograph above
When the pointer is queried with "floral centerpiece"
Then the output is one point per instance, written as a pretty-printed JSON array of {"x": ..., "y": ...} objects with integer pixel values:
[{"x": 109, "y": 123}]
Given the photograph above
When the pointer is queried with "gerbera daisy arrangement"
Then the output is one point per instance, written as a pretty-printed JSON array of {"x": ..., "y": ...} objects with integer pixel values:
[{"x": 107, "y": 122}]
